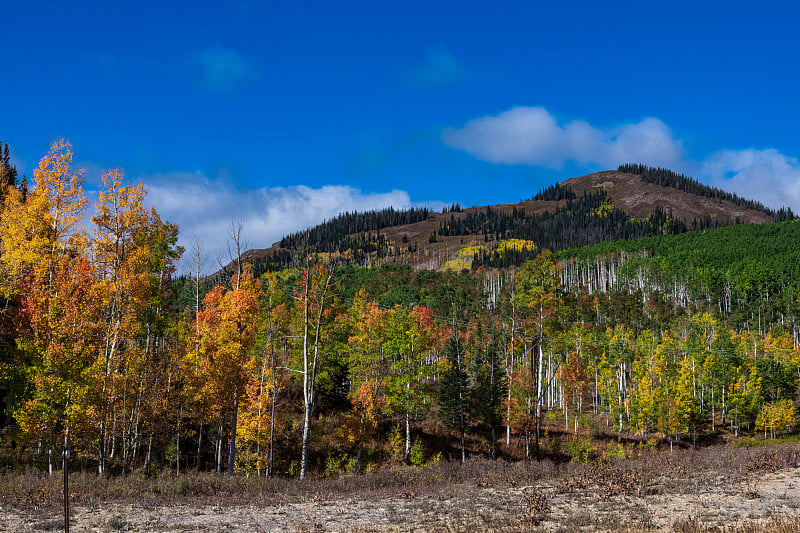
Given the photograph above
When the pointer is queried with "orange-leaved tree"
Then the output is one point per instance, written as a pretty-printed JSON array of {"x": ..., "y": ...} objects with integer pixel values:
[
  {"x": 59, "y": 330},
  {"x": 574, "y": 382},
  {"x": 227, "y": 326},
  {"x": 368, "y": 371},
  {"x": 256, "y": 427}
]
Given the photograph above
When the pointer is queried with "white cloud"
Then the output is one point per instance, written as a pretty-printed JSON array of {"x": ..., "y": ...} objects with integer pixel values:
[
  {"x": 205, "y": 208},
  {"x": 764, "y": 175},
  {"x": 533, "y": 136},
  {"x": 222, "y": 70}
]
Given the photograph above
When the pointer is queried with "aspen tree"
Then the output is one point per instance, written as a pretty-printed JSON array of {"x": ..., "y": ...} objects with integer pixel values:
[
  {"x": 539, "y": 291},
  {"x": 369, "y": 368},
  {"x": 227, "y": 328},
  {"x": 410, "y": 337},
  {"x": 133, "y": 253},
  {"x": 42, "y": 255},
  {"x": 313, "y": 299}
]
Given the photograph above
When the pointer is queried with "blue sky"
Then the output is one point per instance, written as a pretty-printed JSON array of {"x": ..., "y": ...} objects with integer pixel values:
[{"x": 282, "y": 114}]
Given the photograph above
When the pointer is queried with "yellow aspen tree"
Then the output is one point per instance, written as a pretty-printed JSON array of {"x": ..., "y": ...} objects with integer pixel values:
[
  {"x": 777, "y": 417},
  {"x": 645, "y": 381},
  {"x": 35, "y": 231},
  {"x": 40, "y": 234},
  {"x": 256, "y": 427},
  {"x": 274, "y": 319},
  {"x": 133, "y": 251}
]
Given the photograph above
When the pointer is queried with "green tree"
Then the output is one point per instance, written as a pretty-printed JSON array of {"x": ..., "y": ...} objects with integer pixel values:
[
  {"x": 489, "y": 393},
  {"x": 455, "y": 398},
  {"x": 538, "y": 290},
  {"x": 8, "y": 173},
  {"x": 411, "y": 335}
]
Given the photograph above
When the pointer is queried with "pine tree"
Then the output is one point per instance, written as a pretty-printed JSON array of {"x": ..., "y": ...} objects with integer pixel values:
[
  {"x": 454, "y": 394},
  {"x": 8, "y": 174},
  {"x": 488, "y": 395}
]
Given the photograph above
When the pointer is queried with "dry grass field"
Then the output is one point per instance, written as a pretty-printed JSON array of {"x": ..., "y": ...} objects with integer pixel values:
[{"x": 717, "y": 488}]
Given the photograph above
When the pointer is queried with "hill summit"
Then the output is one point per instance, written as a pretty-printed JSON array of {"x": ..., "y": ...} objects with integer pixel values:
[{"x": 631, "y": 202}]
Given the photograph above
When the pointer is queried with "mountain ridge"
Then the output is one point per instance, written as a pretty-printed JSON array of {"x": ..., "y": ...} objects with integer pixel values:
[{"x": 627, "y": 197}]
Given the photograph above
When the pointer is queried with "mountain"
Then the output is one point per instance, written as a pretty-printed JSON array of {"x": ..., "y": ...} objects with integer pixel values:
[{"x": 631, "y": 202}]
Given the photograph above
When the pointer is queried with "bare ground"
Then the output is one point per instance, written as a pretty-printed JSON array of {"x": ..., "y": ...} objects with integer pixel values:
[{"x": 581, "y": 502}]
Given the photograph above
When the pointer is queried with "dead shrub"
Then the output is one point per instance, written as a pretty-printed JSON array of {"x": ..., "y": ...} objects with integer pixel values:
[{"x": 535, "y": 506}]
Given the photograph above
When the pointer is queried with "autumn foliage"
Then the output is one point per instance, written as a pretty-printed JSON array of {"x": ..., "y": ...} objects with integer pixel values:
[{"x": 323, "y": 363}]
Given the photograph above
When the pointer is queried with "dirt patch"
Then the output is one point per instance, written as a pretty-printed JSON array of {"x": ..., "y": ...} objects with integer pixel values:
[{"x": 553, "y": 505}]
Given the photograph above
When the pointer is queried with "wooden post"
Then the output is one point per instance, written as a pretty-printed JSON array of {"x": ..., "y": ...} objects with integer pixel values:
[{"x": 65, "y": 454}]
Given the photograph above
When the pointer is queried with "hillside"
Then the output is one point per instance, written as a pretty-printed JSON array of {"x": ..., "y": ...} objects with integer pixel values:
[
  {"x": 639, "y": 199},
  {"x": 580, "y": 211},
  {"x": 748, "y": 273}
]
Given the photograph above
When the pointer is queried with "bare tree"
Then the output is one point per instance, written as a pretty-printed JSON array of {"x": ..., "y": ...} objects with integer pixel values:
[
  {"x": 313, "y": 295},
  {"x": 198, "y": 263},
  {"x": 238, "y": 244}
]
